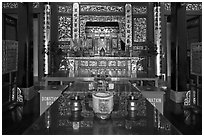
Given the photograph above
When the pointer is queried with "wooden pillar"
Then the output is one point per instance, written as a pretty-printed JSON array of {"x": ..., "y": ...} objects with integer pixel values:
[
  {"x": 25, "y": 39},
  {"x": 178, "y": 47},
  {"x": 54, "y": 32},
  {"x": 150, "y": 36},
  {"x": 41, "y": 46},
  {"x": 163, "y": 41}
]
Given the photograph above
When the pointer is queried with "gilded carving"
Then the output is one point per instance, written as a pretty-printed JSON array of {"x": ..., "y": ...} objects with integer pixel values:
[
  {"x": 121, "y": 63},
  {"x": 189, "y": 6},
  {"x": 139, "y": 9},
  {"x": 65, "y": 9},
  {"x": 128, "y": 26},
  {"x": 64, "y": 28},
  {"x": 102, "y": 63},
  {"x": 84, "y": 63},
  {"x": 112, "y": 63},
  {"x": 93, "y": 18},
  {"x": 193, "y": 6},
  {"x": 46, "y": 34},
  {"x": 75, "y": 17},
  {"x": 101, "y": 8},
  {"x": 140, "y": 29},
  {"x": 92, "y": 63},
  {"x": 11, "y": 5}
]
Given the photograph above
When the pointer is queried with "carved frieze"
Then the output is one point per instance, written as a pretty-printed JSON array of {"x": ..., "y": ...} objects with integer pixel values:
[
  {"x": 121, "y": 63},
  {"x": 9, "y": 5},
  {"x": 65, "y": 9},
  {"x": 101, "y": 8},
  {"x": 84, "y": 63},
  {"x": 139, "y": 9},
  {"x": 93, "y": 63},
  {"x": 193, "y": 6},
  {"x": 189, "y": 6},
  {"x": 102, "y": 63},
  {"x": 112, "y": 63}
]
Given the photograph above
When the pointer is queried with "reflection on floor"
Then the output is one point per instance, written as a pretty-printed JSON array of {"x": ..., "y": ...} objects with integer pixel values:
[
  {"x": 17, "y": 120},
  {"x": 187, "y": 121}
]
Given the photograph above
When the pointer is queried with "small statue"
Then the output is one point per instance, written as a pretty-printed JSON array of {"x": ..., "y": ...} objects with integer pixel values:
[{"x": 102, "y": 52}]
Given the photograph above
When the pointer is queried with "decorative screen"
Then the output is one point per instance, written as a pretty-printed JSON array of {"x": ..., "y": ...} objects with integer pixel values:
[
  {"x": 64, "y": 28},
  {"x": 140, "y": 29}
]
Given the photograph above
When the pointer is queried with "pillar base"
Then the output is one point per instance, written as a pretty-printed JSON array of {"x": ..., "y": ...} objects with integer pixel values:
[
  {"x": 177, "y": 96},
  {"x": 28, "y": 93}
]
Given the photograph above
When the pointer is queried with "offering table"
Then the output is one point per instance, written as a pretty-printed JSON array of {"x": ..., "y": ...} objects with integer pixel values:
[{"x": 59, "y": 119}]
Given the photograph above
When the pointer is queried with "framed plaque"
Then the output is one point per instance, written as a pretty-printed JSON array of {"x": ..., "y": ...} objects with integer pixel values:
[{"x": 196, "y": 58}]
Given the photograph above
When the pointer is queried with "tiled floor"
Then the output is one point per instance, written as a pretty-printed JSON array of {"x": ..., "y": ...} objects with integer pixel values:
[{"x": 19, "y": 119}]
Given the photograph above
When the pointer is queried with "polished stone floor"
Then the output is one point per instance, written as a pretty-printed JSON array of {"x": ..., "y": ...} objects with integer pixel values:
[{"x": 17, "y": 120}]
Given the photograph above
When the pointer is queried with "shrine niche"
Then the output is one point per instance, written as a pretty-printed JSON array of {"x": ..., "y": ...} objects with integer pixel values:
[
  {"x": 103, "y": 35},
  {"x": 93, "y": 18}
]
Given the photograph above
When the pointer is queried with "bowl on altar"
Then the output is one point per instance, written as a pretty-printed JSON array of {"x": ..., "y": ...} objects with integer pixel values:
[{"x": 102, "y": 104}]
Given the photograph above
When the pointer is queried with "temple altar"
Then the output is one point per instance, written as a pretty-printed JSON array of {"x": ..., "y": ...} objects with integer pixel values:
[{"x": 112, "y": 66}]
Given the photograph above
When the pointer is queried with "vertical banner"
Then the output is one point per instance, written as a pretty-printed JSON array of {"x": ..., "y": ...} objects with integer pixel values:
[
  {"x": 157, "y": 37},
  {"x": 75, "y": 21},
  {"x": 128, "y": 26},
  {"x": 47, "y": 16}
]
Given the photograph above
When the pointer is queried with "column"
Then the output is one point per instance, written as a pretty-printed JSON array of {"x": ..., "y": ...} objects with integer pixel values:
[
  {"x": 179, "y": 74},
  {"x": 25, "y": 38}
]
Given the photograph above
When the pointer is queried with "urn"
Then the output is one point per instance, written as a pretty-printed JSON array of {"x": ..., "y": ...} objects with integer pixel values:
[{"x": 102, "y": 104}]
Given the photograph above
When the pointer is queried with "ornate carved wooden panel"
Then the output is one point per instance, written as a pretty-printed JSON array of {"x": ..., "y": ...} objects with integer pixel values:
[
  {"x": 93, "y": 18},
  {"x": 139, "y": 9},
  {"x": 65, "y": 9},
  {"x": 190, "y": 7},
  {"x": 75, "y": 21},
  {"x": 113, "y": 66},
  {"x": 10, "y": 5},
  {"x": 64, "y": 28},
  {"x": 101, "y": 8},
  {"x": 140, "y": 29}
]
